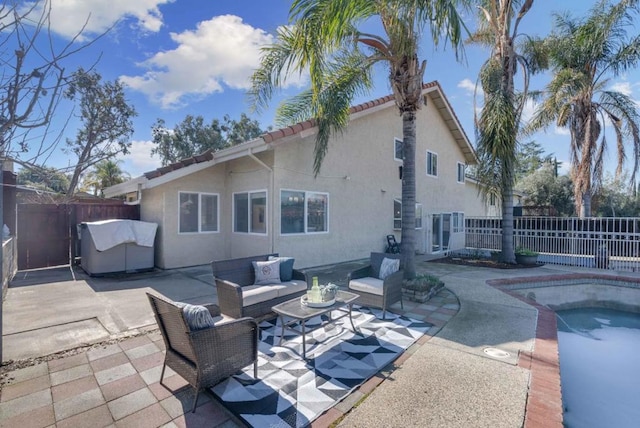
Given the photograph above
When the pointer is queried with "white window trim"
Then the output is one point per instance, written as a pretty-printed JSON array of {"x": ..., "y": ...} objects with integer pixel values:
[
  {"x": 217, "y": 195},
  {"x": 464, "y": 167},
  {"x": 266, "y": 212},
  {"x": 305, "y": 213},
  {"x": 394, "y": 214},
  {"x": 395, "y": 141},
  {"x": 460, "y": 220},
  {"x": 426, "y": 166},
  {"x": 394, "y": 218}
]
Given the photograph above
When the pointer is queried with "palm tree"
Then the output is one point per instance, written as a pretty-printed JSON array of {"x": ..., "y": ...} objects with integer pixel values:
[
  {"x": 104, "y": 174},
  {"x": 498, "y": 125},
  {"x": 325, "y": 41},
  {"x": 583, "y": 55}
]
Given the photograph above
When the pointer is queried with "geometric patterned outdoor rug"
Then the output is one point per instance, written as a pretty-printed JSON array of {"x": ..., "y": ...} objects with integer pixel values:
[{"x": 292, "y": 392}]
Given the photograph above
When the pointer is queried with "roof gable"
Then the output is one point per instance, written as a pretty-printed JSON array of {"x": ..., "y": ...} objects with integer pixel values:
[{"x": 281, "y": 136}]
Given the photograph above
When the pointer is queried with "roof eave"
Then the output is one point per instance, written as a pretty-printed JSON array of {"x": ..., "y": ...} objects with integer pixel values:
[{"x": 126, "y": 187}]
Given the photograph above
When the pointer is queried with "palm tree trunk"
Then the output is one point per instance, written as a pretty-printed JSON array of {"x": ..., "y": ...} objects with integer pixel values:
[
  {"x": 508, "y": 252},
  {"x": 585, "y": 208},
  {"x": 409, "y": 193}
]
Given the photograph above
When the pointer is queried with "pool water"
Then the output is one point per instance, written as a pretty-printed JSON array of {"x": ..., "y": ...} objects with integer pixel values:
[{"x": 600, "y": 367}]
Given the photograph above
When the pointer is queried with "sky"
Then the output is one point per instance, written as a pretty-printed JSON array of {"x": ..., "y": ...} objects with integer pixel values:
[{"x": 180, "y": 57}]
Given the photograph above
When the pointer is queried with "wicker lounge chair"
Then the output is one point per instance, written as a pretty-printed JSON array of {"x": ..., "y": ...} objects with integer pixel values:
[
  {"x": 205, "y": 357},
  {"x": 373, "y": 291}
]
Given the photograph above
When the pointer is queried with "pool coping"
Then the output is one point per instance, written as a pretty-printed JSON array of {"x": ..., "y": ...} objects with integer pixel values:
[{"x": 544, "y": 400}]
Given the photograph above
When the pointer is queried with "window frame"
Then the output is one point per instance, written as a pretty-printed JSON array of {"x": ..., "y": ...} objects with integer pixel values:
[
  {"x": 305, "y": 214},
  {"x": 397, "y": 141},
  {"x": 249, "y": 193},
  {"x": 199, "y": 219},
  {"x": 398, "y": 220},
  {"x": 430, "y": 157},
  {"x": 457, "y": 222},
  {"x": 460, "y": 176}
]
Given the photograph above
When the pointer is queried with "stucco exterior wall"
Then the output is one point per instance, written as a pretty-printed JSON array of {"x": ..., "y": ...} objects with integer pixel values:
[
  {"x": 359, "y": 174},
  {"x": 362, "y": 179},
  {"x": 248, "y": 175},
  {"x": 476, "y": 205},
  {"x": 161, "y": 205}
]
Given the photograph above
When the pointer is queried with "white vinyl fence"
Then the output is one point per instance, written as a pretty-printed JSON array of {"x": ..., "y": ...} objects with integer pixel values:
[{"x": 607, "y": 243}]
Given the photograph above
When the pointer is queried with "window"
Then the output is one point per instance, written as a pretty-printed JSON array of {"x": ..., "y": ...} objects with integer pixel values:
[
  {"x": 492, "y": 200},
  {"x": 397, "y": 214},
  {"x": 418, "y": 216},
  {"x": 461, "y": 168},
  {"x": 458, "y": 222},
  {"x": 432, "y": 164},
  {"x": 250, "y": 212},
  {"x": 398, "y": 153},
  {"x": 303, "y": 212},
  {"x": 198, "y": 212}
]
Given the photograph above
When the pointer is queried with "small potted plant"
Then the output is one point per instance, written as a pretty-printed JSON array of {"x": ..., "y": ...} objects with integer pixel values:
[
  {"x": 421, "y": 288},
  {"x": 328, "y": 292},
  {"x": 525, "y": 256}
]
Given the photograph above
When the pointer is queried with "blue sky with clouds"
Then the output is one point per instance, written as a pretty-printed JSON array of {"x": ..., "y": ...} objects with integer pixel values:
[{"x": 180, "y": 57}]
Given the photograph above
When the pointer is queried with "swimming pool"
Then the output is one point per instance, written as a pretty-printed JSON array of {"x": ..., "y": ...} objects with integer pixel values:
[{"x": 599, "y": 367}]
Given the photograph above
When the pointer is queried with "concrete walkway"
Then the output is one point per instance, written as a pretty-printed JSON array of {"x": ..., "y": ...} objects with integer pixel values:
[{"x": 445, "y": 380}]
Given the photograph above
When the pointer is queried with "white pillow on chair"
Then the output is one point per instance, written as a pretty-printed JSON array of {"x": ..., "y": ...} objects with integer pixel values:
[{"x": 388, "y": 266}]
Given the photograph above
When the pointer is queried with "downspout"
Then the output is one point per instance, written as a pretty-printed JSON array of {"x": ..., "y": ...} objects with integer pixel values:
[{"x": 272, "y": 204}]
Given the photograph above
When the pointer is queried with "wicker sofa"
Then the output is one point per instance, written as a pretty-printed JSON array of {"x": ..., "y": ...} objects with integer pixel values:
[{"x": 238, "y": 296}]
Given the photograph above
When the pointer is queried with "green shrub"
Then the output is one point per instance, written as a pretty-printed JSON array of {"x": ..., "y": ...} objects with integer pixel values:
[
  {"x": 423, "y": 282},
  {"x": 521, "y": 251}
]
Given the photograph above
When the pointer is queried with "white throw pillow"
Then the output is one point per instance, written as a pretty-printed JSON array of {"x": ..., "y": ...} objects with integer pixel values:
[
  {"x": 388, "y": 266},
  {"x": 267, "y": 272}
]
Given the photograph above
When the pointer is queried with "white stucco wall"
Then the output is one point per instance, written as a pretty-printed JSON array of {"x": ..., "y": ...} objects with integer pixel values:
[
  {"x": 161, "y": 205},
  {"x": 361, "y": 206},
  {"x": 359, "y": 174}
]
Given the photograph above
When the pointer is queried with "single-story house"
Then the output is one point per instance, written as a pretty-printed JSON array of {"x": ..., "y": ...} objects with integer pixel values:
[{"x": 261, "y": 196}]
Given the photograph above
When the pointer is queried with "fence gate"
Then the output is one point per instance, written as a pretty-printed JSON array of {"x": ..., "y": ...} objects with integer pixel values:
[
  {"x": 47, "y": 233},
  {"x": 43, "y": 235}
]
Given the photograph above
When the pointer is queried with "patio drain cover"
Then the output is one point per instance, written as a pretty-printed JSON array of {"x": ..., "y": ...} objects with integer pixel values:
[{"x": 496, "y": 353}]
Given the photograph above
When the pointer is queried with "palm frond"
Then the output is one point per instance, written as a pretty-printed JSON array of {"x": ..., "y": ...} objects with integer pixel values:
[{"x": 278, "y": 61}]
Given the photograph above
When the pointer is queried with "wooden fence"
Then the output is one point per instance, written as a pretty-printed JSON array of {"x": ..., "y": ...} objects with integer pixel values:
[{"x": 48, "y": 234}]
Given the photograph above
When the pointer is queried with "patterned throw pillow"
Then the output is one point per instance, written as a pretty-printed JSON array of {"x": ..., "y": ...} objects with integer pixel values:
[
  {"x": 286, "y": 267},
  {"x": 196, "y": 316},
  {"x": 267, "y": 272},
  {"x": 388, "y": 267}
]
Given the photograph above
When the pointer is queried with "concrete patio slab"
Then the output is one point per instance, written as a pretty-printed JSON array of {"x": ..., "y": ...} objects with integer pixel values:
[
  {"x": 51, "y": 310},
  {"x": 443, "y": 387}
]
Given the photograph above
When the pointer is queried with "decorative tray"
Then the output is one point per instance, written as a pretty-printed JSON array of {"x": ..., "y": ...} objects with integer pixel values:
[{"x": 305, "y": 301}]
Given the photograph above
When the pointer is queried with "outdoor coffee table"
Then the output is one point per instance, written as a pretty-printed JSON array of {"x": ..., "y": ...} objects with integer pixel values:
[{"x": 297, "y": 312}]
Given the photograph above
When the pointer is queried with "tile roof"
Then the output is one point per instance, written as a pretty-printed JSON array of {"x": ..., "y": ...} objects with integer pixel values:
[{"x": 287, "y": 131}]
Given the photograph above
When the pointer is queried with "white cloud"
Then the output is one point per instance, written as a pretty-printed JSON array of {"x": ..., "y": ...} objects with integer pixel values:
[
  {"x": 622, "y": 87},
  {"x": 139, "y": 160},
  {"x": 222, "y": 50},
  {"x": 561, "y": 131},
  {"x": 564, "y": 167},
  {"x": 68, "y": 16},
  {"x": 529, "y": 110},
  {"x": 468, "y": 86}
]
